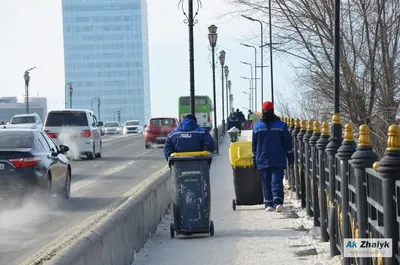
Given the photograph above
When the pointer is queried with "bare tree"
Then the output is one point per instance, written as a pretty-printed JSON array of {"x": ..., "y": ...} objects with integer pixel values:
[{"x": 370, "y": 59}]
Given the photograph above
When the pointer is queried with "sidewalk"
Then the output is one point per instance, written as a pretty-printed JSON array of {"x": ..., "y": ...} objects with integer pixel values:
[{"x": 247, "y": 236}]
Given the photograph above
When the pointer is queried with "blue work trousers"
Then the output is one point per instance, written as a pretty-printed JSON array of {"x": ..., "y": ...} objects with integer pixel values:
[{"x": 272, "y": 181}]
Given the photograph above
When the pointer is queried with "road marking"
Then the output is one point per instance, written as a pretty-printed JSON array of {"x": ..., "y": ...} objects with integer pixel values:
[{"x": 80, "y": 184}]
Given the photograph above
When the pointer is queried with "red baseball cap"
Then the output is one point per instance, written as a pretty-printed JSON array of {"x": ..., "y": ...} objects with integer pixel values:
[{"x": 268, "y": 105}]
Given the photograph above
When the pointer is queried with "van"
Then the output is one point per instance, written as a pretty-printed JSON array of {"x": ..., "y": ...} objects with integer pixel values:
[{"x": 76, "y": 128}]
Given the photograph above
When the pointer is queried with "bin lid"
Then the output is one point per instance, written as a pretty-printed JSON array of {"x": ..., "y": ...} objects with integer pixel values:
[{"x": 201, "y": 155}]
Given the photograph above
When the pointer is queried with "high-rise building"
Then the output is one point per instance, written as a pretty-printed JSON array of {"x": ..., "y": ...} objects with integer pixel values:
[{"x": 106, "y": 55}]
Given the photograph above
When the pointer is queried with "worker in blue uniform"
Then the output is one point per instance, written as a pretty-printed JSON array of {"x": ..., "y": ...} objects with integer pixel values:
[
  {"x": 272, "y": 145},
  {"x": 188, "y": 137}
]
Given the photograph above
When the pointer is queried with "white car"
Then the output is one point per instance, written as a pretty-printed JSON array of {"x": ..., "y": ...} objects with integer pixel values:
[
  {"x": 112, "y": 127},
  {"x": 132, "y": 126},
  {"x": 25, "y": 121},
  {"x": 76, "y": 128}
]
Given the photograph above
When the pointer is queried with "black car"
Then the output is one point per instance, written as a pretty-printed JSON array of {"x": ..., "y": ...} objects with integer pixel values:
[{"x": 30, "y": 161}]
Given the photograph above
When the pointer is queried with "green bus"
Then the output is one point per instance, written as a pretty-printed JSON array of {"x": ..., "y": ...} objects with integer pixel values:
[{"x": 203, "y": 107}]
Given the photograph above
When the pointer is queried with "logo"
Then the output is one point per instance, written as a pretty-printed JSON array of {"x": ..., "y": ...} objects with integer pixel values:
[
  {"x": 368, "y": 247},
  {"x": 186, "y": 135}
]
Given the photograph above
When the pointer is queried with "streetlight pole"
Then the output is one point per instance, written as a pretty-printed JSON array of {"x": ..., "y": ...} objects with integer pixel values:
[
  {"x": 191, "y": 21},
  {"x": 98, "y": 107},
  {"x": 252, "y": 85},
  {"x": 250, "y": 88},
  {"x": 226, "y": 76},
  {"x": 255, "y": 71},
  {"x": 91, "y": 103},
  {"x": 262, "y": 55},
  {"x": 270, "y": 50},
  {"x": 249, "y": 99},
  {"x": 230, "y": 95},
  {"x": 212, "y": 37},
  {"x": 222, "y": 62},
  {"x": 27, "y": 78},
  {"x": 71, "y": 90}
]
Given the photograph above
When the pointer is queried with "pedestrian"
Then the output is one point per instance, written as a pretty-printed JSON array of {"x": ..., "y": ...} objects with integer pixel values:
[
  {"x": 188, "y": 137},
  {"x": 250, "y": 118},
  {"x": 233, "y": 121},
  {"x": 272, "y": 145}
]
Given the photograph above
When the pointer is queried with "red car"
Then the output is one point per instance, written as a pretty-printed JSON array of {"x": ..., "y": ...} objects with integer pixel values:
[{"x": 157, "y": 130}]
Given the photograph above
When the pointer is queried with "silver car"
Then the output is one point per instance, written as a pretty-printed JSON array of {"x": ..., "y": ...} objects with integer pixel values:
[
  {"x": 112, "y": 127},
  {"x": 132, "y": 126}
]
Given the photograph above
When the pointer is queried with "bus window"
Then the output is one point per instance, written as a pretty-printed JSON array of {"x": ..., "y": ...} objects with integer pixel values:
[{"x": 185, "y": 101}]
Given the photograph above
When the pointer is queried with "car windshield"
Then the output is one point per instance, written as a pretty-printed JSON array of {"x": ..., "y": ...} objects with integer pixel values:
[
  {"x": 13, "y": 139},
  {"x": 23, "y": 119},
  {"x": 111, "y": 124},
  {"x": 68, "y": 118},
  {"x": 162, "y": 122},
  {"x": 131, "y": 123}
]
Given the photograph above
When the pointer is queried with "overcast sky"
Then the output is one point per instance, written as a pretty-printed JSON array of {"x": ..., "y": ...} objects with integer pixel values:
[{"x": 31, "y": 35}]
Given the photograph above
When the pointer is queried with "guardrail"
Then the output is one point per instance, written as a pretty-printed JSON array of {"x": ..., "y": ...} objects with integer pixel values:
[{"x": 346, "y": 191}]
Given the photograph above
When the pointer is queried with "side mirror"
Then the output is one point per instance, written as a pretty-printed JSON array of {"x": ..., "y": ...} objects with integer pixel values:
[{"x": 64, "y": 149}]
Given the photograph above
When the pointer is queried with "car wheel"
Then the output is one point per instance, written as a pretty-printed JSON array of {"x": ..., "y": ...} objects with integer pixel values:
[
  {"x": 92, "y": 155},
  {"x": 66, "y": 191},
  {"x": 147, "y": 145},
  {"x": 98, "y": 155}
]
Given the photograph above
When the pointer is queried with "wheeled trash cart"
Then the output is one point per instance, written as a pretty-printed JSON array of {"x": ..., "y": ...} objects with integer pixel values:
[
  {"x": 190, "y": 173},
  {"x": 246, "y": 179}
]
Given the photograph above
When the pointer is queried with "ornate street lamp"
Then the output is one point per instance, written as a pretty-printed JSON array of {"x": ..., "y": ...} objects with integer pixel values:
[
  {"x": 226, "y": 76},
  {"x": 191, "y": 21},
  {"x": 222, "y": 62},
  {"x": 27, "y": 78},
  {"x": 212, "y": 37}
]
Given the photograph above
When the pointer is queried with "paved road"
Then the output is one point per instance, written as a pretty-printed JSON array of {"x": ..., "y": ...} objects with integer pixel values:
[{"x": 97, "y": 186}]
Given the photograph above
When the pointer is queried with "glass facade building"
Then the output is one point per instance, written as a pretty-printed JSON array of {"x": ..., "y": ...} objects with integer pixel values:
[{"x": 106, "y": 55}]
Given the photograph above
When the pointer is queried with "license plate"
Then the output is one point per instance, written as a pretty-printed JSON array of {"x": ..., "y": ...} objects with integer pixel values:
[
  {"x": 1, "y": 166},
  {"x": 161, "y": 138}
]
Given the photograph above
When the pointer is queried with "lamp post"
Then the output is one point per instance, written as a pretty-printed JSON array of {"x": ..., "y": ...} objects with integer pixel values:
[
  {"x": 71, "y": 90},
  {"x": 250, "y": 88},
  {"x": 336, "y": 127},
  {"x": 262, "y": 55},
  {"x": 91, "y": 103},
  {"x": 98, "y": 107},
  {"x": 191, "y": 21},
  {"x": 226, "y": 77},
  {"x": 212, "y": 37},
  {"x": 249, "y": 99},
  {"x": 252, "y": 85},
  {"x": 230, "y": 95},
  {"x": 222, "y": 62},
  {"x": 27, "y": 78},
  {"x": 255, "y": 71}
]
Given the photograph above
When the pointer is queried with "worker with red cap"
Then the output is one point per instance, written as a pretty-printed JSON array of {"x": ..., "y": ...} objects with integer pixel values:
[{"x": 272, "y": 145}]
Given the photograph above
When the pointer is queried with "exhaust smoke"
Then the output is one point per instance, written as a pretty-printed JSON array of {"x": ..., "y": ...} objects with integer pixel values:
[{"x": 68, "y": 137}]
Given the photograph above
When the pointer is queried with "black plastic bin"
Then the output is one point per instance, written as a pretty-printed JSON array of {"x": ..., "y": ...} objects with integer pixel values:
[
  {"x": 191, "y": 193},
  {"x": 248, "y": 187}
]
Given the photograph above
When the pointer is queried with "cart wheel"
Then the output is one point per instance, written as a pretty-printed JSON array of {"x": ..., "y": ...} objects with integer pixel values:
[
  {"x": 172, "y": 230},
  {"x": 211, "y": 228},
  {"x": 234, "y": 204}
]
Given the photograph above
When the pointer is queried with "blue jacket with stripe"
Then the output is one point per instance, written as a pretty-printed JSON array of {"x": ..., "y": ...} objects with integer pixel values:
[
  {"x": 188, "y": 137},
  {"x": 272, "y": 144}
]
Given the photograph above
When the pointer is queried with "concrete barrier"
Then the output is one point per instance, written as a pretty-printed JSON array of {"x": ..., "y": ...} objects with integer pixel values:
[{"x": 115, "y": 239}]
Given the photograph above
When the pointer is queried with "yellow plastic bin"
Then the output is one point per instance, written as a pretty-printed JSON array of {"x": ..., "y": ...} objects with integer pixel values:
[{"x": 246, "y": 179}]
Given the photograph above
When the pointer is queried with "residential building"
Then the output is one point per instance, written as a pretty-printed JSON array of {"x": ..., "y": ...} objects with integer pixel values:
[
  {"x": 106, "y": 55},
  {"x": 9, "y": 106}
]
